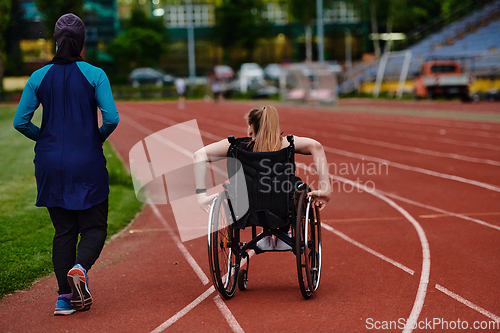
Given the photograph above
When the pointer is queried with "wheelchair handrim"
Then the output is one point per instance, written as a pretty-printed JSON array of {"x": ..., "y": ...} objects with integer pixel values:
[
  {"x": 210, "y": 217},
  {"x": 318, "y": 235},
  {"x": 306, "y": 244}
]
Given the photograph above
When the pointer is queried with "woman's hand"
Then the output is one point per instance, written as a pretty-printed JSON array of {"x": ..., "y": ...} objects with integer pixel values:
[
  {"x": 319, "y": 198},
  {"x": 205, "y": 201}
]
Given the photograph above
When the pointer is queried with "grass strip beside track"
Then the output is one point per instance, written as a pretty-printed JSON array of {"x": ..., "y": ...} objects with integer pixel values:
[{"x": 26, "y": 231}]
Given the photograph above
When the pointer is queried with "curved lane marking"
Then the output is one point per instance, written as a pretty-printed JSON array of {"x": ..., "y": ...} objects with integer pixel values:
[
  {"x": 426, "y": 254},
  {"x": 439, "y": 210},
  {"x": 415, "y": 169},
  {"x": 424, "y": 277}
]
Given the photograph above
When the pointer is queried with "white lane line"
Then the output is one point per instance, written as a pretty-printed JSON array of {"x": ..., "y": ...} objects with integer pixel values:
[
  {"x": 348, "y": 128},
  {"x": 426, "y": 254},
  {"x": 439, "y": 210},
  {"x": 468, "y": 303},
  {"x": 368, "y": 158},
  {"x": 184, "y": 311},
  {"x": 408, "y": 135},
  {"x": 418, "y": 150},
  {"x": 194, "y": 265},
  {"x": 233, "y": 323},
  {"x": 424, "y": 277},
  {"x": 367, "y": 249},
  {"x": 462, "y": 132},
  {"x": 426, "y": 263},
  {"x": 445, "y": 140},
  {"x": 227, "y": 314},
  {"x": 414, "y": 169},
  {"x": 380, "y": 160},
  {"x": 384, "y": 132},
  {"x": 456, "y": 123}
]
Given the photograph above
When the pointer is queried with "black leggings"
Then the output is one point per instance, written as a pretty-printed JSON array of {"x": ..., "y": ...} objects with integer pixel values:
[{"x": 91, "y": 224}]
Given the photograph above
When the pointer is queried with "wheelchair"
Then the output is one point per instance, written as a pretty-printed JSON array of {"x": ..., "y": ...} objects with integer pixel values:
[{"x": 284, "y": 212}]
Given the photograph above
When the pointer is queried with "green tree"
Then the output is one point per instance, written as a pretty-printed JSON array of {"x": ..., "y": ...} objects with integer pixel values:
[
  {"x": 448, "y": 6},
  {"x": 142, "y": 44},
  {"x": 5, "y": 6},
  {"x": 16, "y": 30},
  {"x": 304, "y": 12},
  {"x": 136, "y": 47},
  {"x": 239, "y": 24},
  {"x": 139, "y": 19},
  {"x": 400, "y": 16},
  {"x": 409, "y": 14},
  {"x": 51, "y": 10}
]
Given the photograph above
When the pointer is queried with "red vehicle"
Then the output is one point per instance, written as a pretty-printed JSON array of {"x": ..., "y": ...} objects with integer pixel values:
[{"x": 442, "y": 78}]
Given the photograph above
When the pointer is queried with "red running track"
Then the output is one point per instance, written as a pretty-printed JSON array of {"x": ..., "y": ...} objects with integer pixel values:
[{"x": 423, "y": 247}]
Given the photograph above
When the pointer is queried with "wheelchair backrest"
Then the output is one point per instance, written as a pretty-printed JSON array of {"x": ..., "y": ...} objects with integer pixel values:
[{"x": 270, "y": 182}]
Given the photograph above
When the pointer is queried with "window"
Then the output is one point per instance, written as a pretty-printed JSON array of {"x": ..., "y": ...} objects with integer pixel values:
[
  {"x": 341, "y": 12},
  {"x": 276, "y": 13},
  {"x": 441, "y": 69},
  {"x": 176, "y": 16}
]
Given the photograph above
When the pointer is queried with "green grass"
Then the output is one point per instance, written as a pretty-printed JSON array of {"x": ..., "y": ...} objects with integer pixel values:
[{"x": 26, "y": 231}]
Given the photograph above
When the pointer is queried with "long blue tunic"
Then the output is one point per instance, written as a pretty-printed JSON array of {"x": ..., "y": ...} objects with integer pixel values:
[{"x": 70, "y": 167}]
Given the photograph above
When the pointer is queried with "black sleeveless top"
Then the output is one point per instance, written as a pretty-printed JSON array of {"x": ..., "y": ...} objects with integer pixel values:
[
  {"x": 245, "y": 143},
  {"x": 270, "y": 182}
]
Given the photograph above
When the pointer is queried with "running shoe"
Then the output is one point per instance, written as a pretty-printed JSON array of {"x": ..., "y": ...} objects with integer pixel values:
[
  {"x": 79, "y": 282},
  {"x": 63, "y": 306},
  {"x": 266, "y": 243}
]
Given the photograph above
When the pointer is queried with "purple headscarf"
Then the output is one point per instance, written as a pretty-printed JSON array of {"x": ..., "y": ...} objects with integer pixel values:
[{"x": 69, "y": 35}]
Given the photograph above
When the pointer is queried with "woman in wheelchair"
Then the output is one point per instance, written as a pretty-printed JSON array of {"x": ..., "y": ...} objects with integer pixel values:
[{"x": 264, "y": 135}]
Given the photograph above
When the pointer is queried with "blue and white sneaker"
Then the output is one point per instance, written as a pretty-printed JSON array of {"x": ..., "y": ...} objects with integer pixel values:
[
  {"x": 79, "y": 282},
  {"x": 63, "y": 306}
]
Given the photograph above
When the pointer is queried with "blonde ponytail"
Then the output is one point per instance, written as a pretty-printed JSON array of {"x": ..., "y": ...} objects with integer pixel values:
[{"x": 265, "y": 122}]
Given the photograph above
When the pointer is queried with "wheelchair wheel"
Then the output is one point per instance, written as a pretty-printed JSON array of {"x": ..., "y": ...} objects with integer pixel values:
[
  {"x": 308, "y": 246},
  {"x": 242, "y": 280},
  {"x": 223, "y": 256}
]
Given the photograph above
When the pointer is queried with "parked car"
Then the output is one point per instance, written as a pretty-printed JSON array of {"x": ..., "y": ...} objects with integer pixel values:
[
  {"x": 223, "y": 73},
  {"x": 251, "y": 71},
  {"x": 264, "y": 91},
  {"x": 272, "y": 72},
  {"x": 147, "y": 76},
  {"x": 442, "y": 77}
]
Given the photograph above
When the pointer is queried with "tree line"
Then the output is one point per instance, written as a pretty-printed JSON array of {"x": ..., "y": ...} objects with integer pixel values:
[{"x": 143, "y": 39}]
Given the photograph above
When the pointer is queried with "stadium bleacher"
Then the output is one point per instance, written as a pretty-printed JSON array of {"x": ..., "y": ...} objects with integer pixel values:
[{"x": 475, "y": 37}]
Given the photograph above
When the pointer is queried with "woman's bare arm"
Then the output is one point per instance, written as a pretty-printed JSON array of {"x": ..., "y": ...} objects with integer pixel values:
[
  {"x": 308, "y": 146},
  {"x": 212, "y": 152}
]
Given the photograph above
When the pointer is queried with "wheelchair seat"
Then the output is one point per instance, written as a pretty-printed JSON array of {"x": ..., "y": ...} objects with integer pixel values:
[{"x": 270, "y": 183}]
